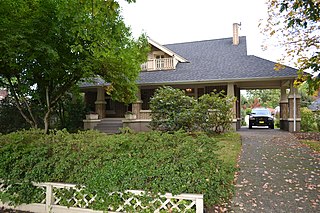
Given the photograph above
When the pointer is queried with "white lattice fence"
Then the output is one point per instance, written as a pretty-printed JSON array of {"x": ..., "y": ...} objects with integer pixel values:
[{"x": 69, "y": 198}]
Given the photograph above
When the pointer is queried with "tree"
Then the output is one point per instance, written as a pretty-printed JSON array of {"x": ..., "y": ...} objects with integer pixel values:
[
  {"x": 295, "y": 24},
  {"x": 265, "y": 97},
  {"x": 48, "y": 46}
]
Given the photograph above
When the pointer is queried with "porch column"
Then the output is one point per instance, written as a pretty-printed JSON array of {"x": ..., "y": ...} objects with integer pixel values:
[
  {"x": 101, "y": 102},
  {"x": 294, "y": 119},
  {"x": 231, "y": 93},
  {"x": 284, "y": 109},
  {"x": 137, "y": 106}
]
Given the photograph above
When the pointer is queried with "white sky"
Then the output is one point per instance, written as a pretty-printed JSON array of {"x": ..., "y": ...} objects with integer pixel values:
[{"x": 175, "y": 21}]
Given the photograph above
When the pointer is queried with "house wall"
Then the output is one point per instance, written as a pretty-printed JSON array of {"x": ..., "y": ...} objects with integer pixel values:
[{"x": 155, "y": 51}]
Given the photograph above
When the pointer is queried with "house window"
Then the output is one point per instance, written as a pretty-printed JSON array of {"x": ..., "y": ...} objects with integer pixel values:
[{"x": 159, "y": 62}]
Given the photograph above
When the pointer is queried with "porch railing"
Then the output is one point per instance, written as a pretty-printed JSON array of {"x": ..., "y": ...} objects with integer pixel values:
[{"x": 158, "y": 64}]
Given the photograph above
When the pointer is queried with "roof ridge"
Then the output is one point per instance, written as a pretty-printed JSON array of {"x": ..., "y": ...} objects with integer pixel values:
[{"x": 198, "y": 41}]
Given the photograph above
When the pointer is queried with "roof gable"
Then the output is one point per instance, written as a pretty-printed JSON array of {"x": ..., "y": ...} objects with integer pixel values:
[{"x": 166, "y": 50}]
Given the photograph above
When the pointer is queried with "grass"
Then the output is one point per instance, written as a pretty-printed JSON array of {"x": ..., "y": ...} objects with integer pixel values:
[
  {"x": 315, "y": 145},
  {"x": 231, "y": 147}
]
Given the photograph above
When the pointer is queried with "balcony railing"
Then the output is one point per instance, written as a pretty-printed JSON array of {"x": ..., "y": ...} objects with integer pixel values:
[{"x": 158, "y": 64}]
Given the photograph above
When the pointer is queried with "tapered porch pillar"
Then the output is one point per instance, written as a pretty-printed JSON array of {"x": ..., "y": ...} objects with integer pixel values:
[
  {"x": 101, "y": 102},
  {"x": 137, "y": 106},
  {"x": 231, "y": 93},
  {"x": 294, "y": 119},
  {"x": 284, "y": 109}
]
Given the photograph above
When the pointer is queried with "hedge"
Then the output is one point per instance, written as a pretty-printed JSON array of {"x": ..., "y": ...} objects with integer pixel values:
[{"x": 154, "y": 161}]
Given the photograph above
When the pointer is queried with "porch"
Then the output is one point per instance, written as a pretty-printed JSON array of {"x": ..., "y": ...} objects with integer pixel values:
[{"x": 106, "y": 108}]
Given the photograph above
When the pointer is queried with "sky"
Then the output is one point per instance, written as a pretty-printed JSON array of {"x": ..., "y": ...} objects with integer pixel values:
[{"x": 176, "y": 21}]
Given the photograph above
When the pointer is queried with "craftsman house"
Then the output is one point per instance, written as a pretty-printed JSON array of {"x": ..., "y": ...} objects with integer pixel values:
[{"x": 197, "y": 67}]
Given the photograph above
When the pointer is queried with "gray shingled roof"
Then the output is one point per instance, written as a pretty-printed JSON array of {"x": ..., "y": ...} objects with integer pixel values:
[{"x": 213, "y": 60}]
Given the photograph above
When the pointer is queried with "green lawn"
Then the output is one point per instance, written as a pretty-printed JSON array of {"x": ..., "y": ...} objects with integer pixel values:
[
  {"x": 315, "y": 145},
  {"x": 230, "y": 144}
]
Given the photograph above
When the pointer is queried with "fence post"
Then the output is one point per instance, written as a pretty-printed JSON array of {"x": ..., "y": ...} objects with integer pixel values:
[
  {"x": 199, "y": 205},
  {"x": 49, "y": 197}
]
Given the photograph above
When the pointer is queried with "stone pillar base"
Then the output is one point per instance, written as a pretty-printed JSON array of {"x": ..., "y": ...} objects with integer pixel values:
[
  {"x": 291, "y": 126},
  {"x": 284, "y": 125},
  {"x": 234, "y": 125},
  {"x": 90, "y": 124}
]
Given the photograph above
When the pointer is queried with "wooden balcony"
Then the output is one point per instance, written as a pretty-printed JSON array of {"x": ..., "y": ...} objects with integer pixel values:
[{"x": 158, "y": 64}]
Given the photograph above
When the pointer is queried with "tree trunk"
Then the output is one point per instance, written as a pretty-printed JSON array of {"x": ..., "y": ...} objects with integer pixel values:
[{"x": 46, "y": 121}]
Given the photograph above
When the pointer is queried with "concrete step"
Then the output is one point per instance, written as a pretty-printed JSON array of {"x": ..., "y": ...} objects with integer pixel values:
[{"x": 110, "y": 125}]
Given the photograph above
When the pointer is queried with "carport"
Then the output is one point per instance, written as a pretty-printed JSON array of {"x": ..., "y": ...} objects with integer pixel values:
[{"x": 289, "y": 99}]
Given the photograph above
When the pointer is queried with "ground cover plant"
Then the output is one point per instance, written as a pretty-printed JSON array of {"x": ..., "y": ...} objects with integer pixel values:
[
  {"x": 156, "y": 161},
  {"x": 311, "y": 139}
]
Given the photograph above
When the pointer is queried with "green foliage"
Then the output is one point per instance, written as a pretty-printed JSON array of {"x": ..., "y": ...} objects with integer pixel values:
[
  {"x": 48, "y": 46},
  {"x": 306, "y": 98},
  {"x": 8, "y": 114},
  {"x": 70, "y": 112},
  {"x": 154, "y": 161},
  {"x": 248, "y": 111},
  {"x": 293, "y": 23},
  {"x": 317, "y": 120},
  {"x": 213, "y": 113},
  {"x": 267, "y": 97},
  {"x": 308, "y": 120},
  {"x": 173, "y": 110}
]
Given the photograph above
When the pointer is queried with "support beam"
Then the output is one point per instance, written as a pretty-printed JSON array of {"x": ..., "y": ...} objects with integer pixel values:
[
  {"x": 294, "y": 119},
  {"x": 137, "y": 106},
  {"x": 284, "y": 110},
  {"x": 101, "y": 102},
  {"x": 231, "y": 93}
]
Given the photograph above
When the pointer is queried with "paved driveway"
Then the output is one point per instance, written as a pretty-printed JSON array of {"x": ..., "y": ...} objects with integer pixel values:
[{"x": 277, "y": 174}]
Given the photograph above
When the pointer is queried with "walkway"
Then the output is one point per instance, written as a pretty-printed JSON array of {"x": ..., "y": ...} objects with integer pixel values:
[{"x": 277, "y": 174}]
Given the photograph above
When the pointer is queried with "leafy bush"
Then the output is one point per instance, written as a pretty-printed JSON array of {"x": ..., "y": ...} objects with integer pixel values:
[
  {"x": 213, "y": 113},
  {"x": 154, "y": 161},
  {"x": 317, "y": 120},
  {"x": 173, "y": 110},
  {"x": 308, "y": 120}
]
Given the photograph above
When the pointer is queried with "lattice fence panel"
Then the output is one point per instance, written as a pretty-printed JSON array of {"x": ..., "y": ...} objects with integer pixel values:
[{"x": 130, "y": 201}]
